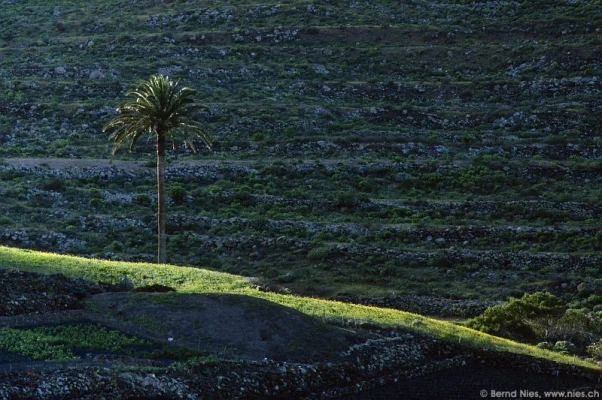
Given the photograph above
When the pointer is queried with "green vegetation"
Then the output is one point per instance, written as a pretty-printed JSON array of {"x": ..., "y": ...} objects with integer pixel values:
[
  {"x": 193, "y": 280},
  {"x": 269, "y": 200},
  {"x": 360, "y": 148},
  {"x": 378, "y": 125},
  {"x": 71, "y": 342},
  {"x": 594, "y": 350},
  {"x": 60, "y": 342},
  {"x": 518, "y": 318},
  {"x": 542, "y": 317}
]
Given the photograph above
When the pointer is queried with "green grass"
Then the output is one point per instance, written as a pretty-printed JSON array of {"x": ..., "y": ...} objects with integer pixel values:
[
  {"x": 33, "y": 345},
  {"x": 194, "y": 280},
  {"x": 66, "y": 342},
  {"x": 59, "y": 342}
]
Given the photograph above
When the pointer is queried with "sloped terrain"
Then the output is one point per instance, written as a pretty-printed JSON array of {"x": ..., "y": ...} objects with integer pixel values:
[
  {"x": 410, "y": 148},
  {"x": 233, "y": 326},
  {"x": 89, "y": 361},
  {"x": 436, "y": 157}
]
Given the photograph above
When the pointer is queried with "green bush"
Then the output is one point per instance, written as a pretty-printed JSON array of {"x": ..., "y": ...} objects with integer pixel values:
[
  {"x": 594, "y": 350},
  {"x": 318, "y": 253},
  {"x": 565, "y": 347},
  {"x": 364, "y": 186},
  {"x": 95, "y": 203},
  {"x": 143, "y": 199},
  {"x": 545, "y": 345},
  {"x": 347, "y": 200},
  {"x": 177, "y": 194},
  {"x": 95, "y": 193},
  {"x": 577, "y": 325},
  {"x": 521, "y": 319},
  {"x": 594, "y": 299},
  {"x": 5, "y": 220},
  {"x": 257, "y": 137},
  {"x": 540, "y": 316},
  {"x": 116, "y": 246}
]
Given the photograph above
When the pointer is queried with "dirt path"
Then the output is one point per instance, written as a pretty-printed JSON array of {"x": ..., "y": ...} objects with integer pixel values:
[{"x": 60, "y": 163}]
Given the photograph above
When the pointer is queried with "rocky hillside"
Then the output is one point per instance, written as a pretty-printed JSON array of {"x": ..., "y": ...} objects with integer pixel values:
[
  {"x": 194, "y": 346},
  {"x": 368, "y": 148}
]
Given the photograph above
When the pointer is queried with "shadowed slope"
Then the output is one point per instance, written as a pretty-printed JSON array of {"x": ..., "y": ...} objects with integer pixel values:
[{"x": 230, "y": 325}]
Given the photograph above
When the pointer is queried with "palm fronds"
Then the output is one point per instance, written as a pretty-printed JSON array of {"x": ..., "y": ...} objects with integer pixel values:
[{"x": 158, "y": 106}]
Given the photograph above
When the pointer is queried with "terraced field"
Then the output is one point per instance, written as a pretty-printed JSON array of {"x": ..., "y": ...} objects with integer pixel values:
[{"x": 448, "y": 149}]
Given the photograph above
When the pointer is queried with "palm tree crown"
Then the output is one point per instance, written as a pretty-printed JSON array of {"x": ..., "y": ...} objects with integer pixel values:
[{"x": 160, "y": 106}]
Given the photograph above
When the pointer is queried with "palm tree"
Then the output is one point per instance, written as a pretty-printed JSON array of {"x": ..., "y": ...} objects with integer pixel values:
[{"x": 159, "y": 107}]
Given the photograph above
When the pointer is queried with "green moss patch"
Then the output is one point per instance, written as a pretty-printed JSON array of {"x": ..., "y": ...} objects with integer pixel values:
[{"x": 66, "y": 342}]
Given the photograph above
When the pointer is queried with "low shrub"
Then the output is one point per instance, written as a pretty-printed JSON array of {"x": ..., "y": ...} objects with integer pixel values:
[
  {"x": 177, "y": 194},
  {"x": 540, "y": 316},
  {"x": 545, "y": 345},
  {"x": 522, "y": 319},
  {"x": 142, "y": 199},
  {"x": 318, "y": 253},
  {"x": 5, "y": 220},
  {"x": 565, "y": 347},
  {"x": 594, "y": 350}
]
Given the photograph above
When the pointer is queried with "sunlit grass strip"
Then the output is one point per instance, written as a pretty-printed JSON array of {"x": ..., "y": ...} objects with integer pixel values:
[
  {"x": 195, "y": 280},
  {"x": 340, "y": 312},
  {"x": 182, "y": 278}
]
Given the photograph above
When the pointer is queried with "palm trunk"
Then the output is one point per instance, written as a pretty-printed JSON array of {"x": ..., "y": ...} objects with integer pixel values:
[{"x": 161, "y": 206}]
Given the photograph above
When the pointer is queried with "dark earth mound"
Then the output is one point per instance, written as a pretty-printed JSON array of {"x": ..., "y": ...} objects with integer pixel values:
[{"x": 226, "y": 324}]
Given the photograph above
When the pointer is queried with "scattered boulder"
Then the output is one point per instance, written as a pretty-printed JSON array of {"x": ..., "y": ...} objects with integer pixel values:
[{"x": 96, "y": 74}]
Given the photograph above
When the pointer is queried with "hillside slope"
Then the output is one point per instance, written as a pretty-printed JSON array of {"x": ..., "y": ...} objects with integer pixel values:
[
  {"x": 445, "y": 148},
  {"x": 228, "y": 320}
]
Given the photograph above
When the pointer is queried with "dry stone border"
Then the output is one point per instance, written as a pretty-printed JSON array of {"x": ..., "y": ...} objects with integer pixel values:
[
  {"x": 373, "y": 364},
  {"x": 28, "y": 292}
]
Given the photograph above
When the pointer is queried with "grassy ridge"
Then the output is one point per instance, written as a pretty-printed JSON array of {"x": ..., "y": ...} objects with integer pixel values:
[{"x": 193, "y": 280}]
